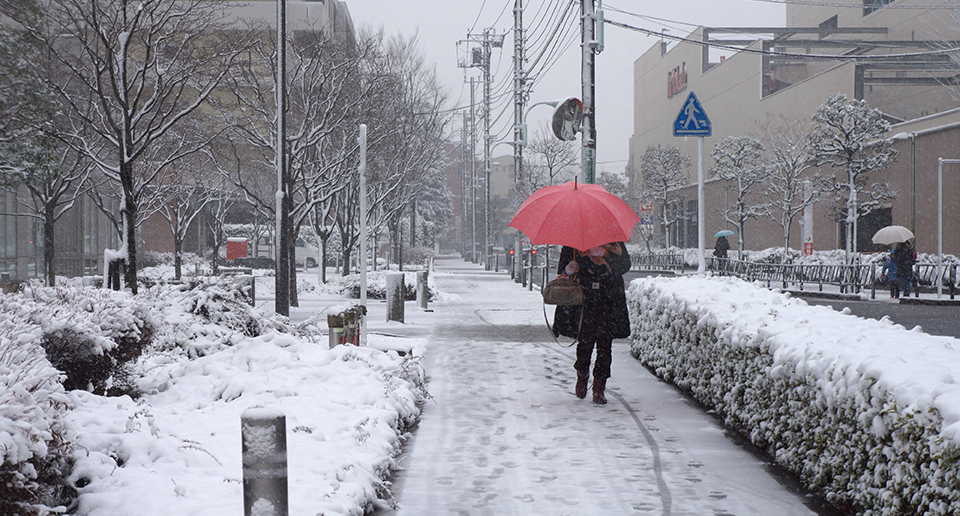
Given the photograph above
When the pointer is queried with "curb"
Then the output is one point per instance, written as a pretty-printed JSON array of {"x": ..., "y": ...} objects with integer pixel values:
[
  {"x": 823, "y": 295},
  {"x": 935, "y": 302}
]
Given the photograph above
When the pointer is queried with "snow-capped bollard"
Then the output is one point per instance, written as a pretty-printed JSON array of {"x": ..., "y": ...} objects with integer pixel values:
[
  {"x": 394, "y": 296},
  {"x": 423, "y": 293},
  {"x": 264, "y": 435},
  {"x": 335, "y": 324}
]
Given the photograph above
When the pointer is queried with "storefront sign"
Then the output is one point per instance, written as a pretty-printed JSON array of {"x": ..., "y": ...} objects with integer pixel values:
[{"x": 677, "y": 80}]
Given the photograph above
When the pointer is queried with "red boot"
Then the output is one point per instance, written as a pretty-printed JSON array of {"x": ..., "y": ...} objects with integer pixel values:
[
  {"x": 581, "y": 389},
  {"x": 599, "y": 385}
]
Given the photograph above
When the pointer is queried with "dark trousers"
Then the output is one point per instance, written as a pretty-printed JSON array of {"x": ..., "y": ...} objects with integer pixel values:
[{"x": 601, "y": 369}]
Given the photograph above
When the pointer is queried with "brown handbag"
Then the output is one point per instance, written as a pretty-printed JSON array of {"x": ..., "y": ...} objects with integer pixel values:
[{"x": 563, "y": 291}]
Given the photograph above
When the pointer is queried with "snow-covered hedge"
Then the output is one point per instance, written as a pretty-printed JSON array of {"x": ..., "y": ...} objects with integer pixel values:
[{"x": 864, "y": 411}]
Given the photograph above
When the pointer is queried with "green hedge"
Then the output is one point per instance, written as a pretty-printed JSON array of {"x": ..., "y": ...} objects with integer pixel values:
[{"x": 824, "y": 416}]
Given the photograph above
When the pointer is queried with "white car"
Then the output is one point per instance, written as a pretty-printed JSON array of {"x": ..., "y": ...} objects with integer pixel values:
[{"x": 303, "y": 252}]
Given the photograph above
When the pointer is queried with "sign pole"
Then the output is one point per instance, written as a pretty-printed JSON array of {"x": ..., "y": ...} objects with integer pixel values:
[
  {"x": 701, "y": 238},
  {"x": 362, "y": 171},
  {"x": 693, "y": 121},
  {"x": 588, "y": 43}
]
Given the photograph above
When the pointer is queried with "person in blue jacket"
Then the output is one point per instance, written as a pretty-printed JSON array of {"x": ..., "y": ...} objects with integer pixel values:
[{"x": 890, "y": 272}]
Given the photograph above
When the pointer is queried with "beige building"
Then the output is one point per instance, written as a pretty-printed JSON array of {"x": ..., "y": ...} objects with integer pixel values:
[{"x": 887, "y": 53}]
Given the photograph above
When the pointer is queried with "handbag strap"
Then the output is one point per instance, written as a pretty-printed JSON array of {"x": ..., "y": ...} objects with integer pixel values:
[{"x": 554, "y": 335}]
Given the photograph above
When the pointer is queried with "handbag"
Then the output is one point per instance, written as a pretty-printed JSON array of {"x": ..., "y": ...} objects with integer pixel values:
[{"x": 563, "y": 291}]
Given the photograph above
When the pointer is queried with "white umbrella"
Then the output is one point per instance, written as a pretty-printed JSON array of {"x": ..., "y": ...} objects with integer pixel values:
[{"x": 892, "y": 235}]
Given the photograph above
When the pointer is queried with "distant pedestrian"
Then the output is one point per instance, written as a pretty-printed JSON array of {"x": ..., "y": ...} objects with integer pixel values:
[
  {"x": 721, "y": 247},
  {"x": 905, "y": 258},
  {"x": 605, "y": 316},
  {"x": 890, "y": 273}
]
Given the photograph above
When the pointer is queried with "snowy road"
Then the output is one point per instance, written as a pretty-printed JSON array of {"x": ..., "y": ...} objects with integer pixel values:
[{"x": 504, "y": 433}]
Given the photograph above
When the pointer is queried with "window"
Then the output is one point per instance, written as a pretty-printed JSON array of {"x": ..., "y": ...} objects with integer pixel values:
[
  {"x": 91, "y": 228},
  {"x": 8, "y": 234},
  {"x": 8, "y": 226},
  {"x": 870, "y": 6}
]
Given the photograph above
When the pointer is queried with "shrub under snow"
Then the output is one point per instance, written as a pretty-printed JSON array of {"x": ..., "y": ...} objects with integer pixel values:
[
  {"x": 864, "y": 411},
  {"x": 32, "y": 434},
  {"x": 174, "y": 447}
]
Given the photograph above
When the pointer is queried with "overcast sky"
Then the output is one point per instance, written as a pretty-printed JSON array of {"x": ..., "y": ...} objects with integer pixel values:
[{"x": 441, "y": 24}]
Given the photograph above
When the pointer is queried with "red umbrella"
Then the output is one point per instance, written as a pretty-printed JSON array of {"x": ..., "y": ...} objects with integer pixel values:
[{"x": 579, "y": 216}]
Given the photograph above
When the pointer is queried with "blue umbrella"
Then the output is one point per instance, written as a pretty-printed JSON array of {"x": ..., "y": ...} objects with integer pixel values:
[{"x": 723, "y": 232}]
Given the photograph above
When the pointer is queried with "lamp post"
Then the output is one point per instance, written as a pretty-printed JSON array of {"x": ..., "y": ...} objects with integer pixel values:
[
  {"x": 523, "y": 143},
  {"x": 282, "y": 281}
]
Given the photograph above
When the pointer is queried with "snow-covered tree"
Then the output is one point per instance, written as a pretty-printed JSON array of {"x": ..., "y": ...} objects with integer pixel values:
[
  {"x": 787, "y": 158},
  {"x": 664, "y": 170},
  {"x": 614, "y": 183},
  {"x": 32, "y": 158},
  {"x": 737, "y": 161},
  {"x": 434, "y": 207},
  {"x": 188, "y": 189},
  {"x": 129, "y": 72},
  {"x": 327, "y": 83},
  {"x": 26, "y": 108},
  {"x": 549, "y": 161},
  {"x": 850, "y": 135},
  {"x": 407, "y": 138}
]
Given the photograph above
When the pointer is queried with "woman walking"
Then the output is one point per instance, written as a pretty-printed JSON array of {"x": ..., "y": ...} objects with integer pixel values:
[{"x": 605, "y": 317}]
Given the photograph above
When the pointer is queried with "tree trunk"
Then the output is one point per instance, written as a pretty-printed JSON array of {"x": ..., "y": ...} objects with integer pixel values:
[
  {"x": 130, "y": 218},
  {"x": 346, "y": 261},
  {"x": 786, "y": 237},
  {"x": 294, "y": 300},
  {"x": 177, "y": 256},
  {"x": 413, "y": 223},
  {"x": 323, "y": 260},
  {"x": 48, "y": 246},
  {"x": 666, "y": 229}
]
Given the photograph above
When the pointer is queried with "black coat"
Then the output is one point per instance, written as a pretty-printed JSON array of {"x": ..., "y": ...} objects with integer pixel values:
[
  {"x": 905, "y": 259},
  {"x": 721, "y": 247},
  {"x": 605, "y": 298}
]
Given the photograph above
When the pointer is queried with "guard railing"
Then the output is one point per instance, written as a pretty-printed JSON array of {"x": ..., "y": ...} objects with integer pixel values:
[{"x": 850, "y": 279}]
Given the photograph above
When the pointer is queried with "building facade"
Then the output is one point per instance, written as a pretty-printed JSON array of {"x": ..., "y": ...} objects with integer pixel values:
[{"x": 889, "y": 54}]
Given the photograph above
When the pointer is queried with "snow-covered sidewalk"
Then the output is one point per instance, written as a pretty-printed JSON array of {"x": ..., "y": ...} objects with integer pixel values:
[{"x": 504, "y": 434}]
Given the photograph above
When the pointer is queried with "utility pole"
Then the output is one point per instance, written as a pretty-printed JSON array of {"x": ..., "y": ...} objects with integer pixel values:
[
  {"x": 519, "y": 91},
  {"x": 464, "y": 181},
  {"x": 519, "y": 99},
  {"x": 589, "y": 46},
  {"x": 487, "y": 146},
  {"x": 281, "y": 241},
  {"x": 481, "y": 59},
  {"x": 473, "y": 172}
]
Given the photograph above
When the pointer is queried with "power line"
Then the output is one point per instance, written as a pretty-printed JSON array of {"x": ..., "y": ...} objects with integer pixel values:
[{"x": 482, "y": 5}]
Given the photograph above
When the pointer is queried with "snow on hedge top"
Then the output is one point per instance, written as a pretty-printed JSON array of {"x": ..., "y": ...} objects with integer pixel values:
[{"x": 920, "y": 370}]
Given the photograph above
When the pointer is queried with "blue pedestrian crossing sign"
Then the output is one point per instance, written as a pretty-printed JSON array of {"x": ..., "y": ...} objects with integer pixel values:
[{"x": 692, "y": 119}]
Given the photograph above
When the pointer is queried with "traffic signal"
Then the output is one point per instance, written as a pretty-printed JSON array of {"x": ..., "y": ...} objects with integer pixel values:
[{"x": 511, "y": 252}]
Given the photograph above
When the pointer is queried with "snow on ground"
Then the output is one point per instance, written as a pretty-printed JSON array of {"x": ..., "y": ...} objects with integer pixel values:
[
  {"x": 176, "y": 450},
  {"x": 504, "y": 434}
]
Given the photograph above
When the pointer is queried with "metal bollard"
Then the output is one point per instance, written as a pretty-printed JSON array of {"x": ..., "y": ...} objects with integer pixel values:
[
  {"x": 422, "y": 291},
  {"x": 336, "y": 326},
  {"x": 264, "y": 435}
]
